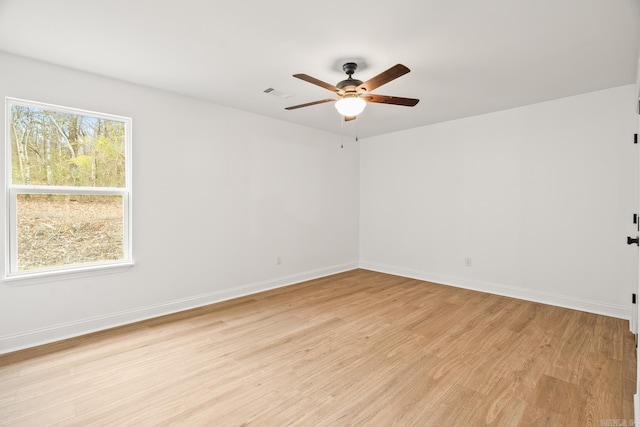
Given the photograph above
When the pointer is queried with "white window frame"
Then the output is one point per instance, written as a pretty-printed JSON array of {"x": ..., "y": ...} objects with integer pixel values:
[{"x": 12, "y": 191}]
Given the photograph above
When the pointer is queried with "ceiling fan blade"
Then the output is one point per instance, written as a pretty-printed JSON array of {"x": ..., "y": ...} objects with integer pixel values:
[
  {"x": 384, "y": 77},
  {"x": 317, "y": 82},
  {"x": 386, "y": 99},
  {"x": 349, "y": 118},
  {"x": 310, "y": 103}
]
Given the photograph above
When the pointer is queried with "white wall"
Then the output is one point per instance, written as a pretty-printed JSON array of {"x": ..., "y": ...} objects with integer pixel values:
[
  {"x": 540, "y": 198},
  {"x": 218, "y": 194}
]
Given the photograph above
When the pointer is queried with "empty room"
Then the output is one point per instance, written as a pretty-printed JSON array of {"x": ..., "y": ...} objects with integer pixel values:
[{"x": 326, "y": 214}]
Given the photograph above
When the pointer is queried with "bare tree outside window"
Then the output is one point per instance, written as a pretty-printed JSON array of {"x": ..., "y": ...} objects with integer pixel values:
[{"x": 69, "y": 192}]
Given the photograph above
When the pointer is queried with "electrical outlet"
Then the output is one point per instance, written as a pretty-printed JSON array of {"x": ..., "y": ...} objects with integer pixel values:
[
  {"x": 278, "y": 260},
  {"x": 467, "y": 262}
]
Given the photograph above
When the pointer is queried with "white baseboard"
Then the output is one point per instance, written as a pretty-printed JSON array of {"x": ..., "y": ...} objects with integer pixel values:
[
  {"x": 636, "y": 410},
  {"x": 32, "y": 338},
  {"x": 574, "y": 303}
]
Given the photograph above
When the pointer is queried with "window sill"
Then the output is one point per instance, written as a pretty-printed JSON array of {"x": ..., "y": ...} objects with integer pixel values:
[{"x": 33, "y": 278}]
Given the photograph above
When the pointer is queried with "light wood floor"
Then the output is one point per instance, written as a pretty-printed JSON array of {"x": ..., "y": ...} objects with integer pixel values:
[{"x": 358, "y": 348}]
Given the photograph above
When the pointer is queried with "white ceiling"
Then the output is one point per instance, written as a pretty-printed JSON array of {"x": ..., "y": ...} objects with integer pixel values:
[{"x": 467, "y": 57}]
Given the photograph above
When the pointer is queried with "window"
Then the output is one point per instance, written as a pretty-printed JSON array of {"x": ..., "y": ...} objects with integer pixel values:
[{"x": 68, "y": 189}]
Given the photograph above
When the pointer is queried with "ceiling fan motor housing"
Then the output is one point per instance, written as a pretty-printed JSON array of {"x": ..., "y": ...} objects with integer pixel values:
[{"x": 346, "y": 84}]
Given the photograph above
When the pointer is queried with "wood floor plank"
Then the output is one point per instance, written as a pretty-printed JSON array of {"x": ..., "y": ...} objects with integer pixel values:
[{"x": 357, "y": 348}]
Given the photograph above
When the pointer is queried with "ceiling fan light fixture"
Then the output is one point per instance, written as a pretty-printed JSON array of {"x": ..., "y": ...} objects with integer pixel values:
[{"x": 350, "y": 105}]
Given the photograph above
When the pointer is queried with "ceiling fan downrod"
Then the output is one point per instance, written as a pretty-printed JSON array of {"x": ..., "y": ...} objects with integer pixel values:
[{"x": 349, "y": 68}]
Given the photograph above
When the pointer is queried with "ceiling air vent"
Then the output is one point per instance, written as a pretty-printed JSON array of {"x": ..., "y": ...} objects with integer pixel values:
[{"x": 279, "y": 94}]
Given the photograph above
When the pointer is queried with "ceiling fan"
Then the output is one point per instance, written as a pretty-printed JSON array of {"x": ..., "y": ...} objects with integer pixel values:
[{"x": 353, "y": 94}]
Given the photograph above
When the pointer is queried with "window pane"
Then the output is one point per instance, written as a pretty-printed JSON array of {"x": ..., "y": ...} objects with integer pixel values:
[
  {"x": 64, "y": 230},
  {"x": 50, "y": 147}
]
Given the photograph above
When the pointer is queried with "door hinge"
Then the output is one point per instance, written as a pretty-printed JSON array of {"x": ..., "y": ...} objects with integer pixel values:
[
  {"x": 633, "y": 298},
  {"x": 632, "y": 240},
  {"x": 635, "y": 138}
]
